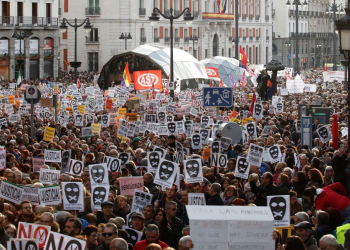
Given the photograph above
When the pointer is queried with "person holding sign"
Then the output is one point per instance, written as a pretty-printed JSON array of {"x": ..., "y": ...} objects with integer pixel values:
[{"x": 265, "y": 189}]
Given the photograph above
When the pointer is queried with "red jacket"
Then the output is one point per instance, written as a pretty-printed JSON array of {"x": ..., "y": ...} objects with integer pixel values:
[
  {"x": 141, "y": 245},
  {"x": 330, "y": 198}
]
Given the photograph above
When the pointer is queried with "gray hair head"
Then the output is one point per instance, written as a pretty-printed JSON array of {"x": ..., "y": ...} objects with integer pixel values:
[
  {"x": 152, "y": 228},
  {"x": 66, "y": 177},
  {"x": 185, "y": 229},
  {"x": 183, "y": 240},
  {"x": 329, "y": 240},
  {"x": 120, "y": 244},
  {"x": 302, "y": 216}
]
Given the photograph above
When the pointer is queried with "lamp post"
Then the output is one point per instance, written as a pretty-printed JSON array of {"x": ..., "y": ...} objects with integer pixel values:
[
  {"x": 319, "y": 45},
  {"x": 193, "y": 38},
  {"x": 21, "y": 36},
  {"x": 334, "y": 8},
  {"x": 287, "y": 44},
  {"x": 296, "y": 3},
  {"x": 125, "y": 37},
  {"x": 155, "y": 18},
  {"x": 236, "y": 30},
  {"x": 64, "y": 28}
]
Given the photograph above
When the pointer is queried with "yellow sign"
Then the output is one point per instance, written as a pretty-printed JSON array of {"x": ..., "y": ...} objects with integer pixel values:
[
  {"x": 122, "y": 138},
  {"x": 70, "y": 109},
  {"x": 49, "y": 134},
  {"x": 81, "y": 109},
  {"x": 122, "y": 111},
  {"x": 235, "y": 120},
  {"x": 132, "y": 117},
  {"x": 245, "y": 120},
  {"x": 11, "y": 99},
  {"x": 250, "y": 96},
  {"x": 56, "y": 89},
  {"x": 96, "y": 128},
  {"x": 69, "y": 97}
]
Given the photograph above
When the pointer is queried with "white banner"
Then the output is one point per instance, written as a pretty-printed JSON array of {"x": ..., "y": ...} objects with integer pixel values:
[
  {"x": 11, "y": 192},
  {"x": 330, "y": 76},
  {"x": 50, "y": 195}
]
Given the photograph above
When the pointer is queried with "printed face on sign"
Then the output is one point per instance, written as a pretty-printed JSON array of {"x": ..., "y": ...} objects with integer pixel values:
[
  {"x": 166, "y": 170},
  {"x": 250, "y": 127},
  {"x": 196, "y": 141},
  {"x": 172, "y": 127},
  {"x": 161, "y": 151},
  {"x": 205, "y": 120},
  {"x": 193, "y": 167},
  {"x": 298, "y": 126},
  {"x": 65, "y": 158},
  {"x": 331, "y": 111},
  {"x": 278, "y": 207},
  {"x": 169, "y": 118},
  {"x": 205, "y": 134},
  {"x": 274, "y": 152},
  {"x": 161, "y": 116},
  {"x": 215, "y": 147},
  {"x": 279, "y": 107},
  {"x": 72, "y": 192},
  {"x": 188, "y": 126},
  {"x": 105, "y": 120},
  {"x": 242, "y": 165},
  {"x": 99, "y": 195},
  {"x": 324, "y": 134},
  {"x": 257, "y": 109},
  {"x": 154, "y": 159},
  {"x": 79, "y": 120},
  {"x": 124, "y": 157},
  {"x": 97, "y": 173}
]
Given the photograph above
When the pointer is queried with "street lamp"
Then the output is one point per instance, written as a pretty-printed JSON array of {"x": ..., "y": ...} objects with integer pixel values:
[
  {"x": 193, "y": 38},
  {"x": 319, "y": 45},
  {"x": 296, "y": 3},
  {"x": 155, "y": 18},
  {"x": 287, "y": 44},
  {"x": 21, "y": 36},
  {"x": 334, "y": 8},
  {"x": 125, "y": 37},
  {"x": 64, "y": 28}
]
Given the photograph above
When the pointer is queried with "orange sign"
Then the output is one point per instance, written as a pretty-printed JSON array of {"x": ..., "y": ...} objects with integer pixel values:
[
  {"x": 109, "y": 103},
  {"x": 144, "y": 79},
  {"x": 132, "y": 117},
  {"x": 206, "y": 153},
  {"x": 212, "y": 72},
  {"x": 11, "y": 99}
]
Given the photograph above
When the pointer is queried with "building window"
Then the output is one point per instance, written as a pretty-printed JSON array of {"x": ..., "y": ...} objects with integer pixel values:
[
  {"x": 206, "y": 53},
  {"x": 250, "y": 54},
  {"x": 229, "y": 52},
  {"x": 93, "y": 36},
  {"x": 195, "y": 53},
  {"x": 93, "y": 61},
  {"x": 256, "y": 55},
  {"x": 267, "y": 55},
  {"x": 94, "y": 3},
  {"x": 223, "y": 52}
]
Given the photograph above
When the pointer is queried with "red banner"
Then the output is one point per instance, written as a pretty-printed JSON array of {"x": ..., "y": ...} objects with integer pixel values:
[
  {"x": 212, "y": 72},
  {"x": 144, "y": 79}
]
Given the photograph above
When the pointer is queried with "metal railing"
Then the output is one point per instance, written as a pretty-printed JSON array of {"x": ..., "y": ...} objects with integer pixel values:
[
  {"x": 250, "y": 38},
  {"x": 7, "y": 21},
  {"x": 267, "y": 18},
  {"x": 93, "y": 11},
  {"x": 250, "y": 17},
  {"x": 156, "y": 39},
  {"x": 59, "y": 11},
  {"x": 177, "y": 39},
  {"x": 167, "y": 39},
  {"x": 244, "y": 16},
  {"x": 186, "y": 39},
  {"x": 142, "y": 11},
  {"x": 257, "y": 17},
  {"x": 143, "y": 40},
  {"x": 92, "y": 39},
  {"x": 176, "y": 12},
  {"x": 32, "y": 21},
  {"x": 195, "y": 14}
]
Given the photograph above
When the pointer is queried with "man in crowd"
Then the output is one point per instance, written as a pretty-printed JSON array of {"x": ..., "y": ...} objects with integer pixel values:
[
  {"x": 109, "y": 233},
  {"x": 152, "y": 236},
  {"x": 304, "y": 231}
]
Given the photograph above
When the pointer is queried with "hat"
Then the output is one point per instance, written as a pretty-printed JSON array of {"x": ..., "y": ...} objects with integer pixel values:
[
  {"x": 136, "y": 139},
  {"x": 138, "y": 215},
  {"x": 106, "y": 203},
  {"x": 118, "y": 221},
  {"x": 304, "y": 224}
]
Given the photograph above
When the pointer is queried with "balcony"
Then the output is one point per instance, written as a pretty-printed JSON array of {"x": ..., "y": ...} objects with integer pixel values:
[
  {"x": 177, "y": 39},
  {"x": 267, "y": 18},
  {"x": 267, "y": 38},
  {"x": 257, "y": 38},
  {"x": 291, "y": 34},
  {"x": 59, "y": 11},
  {"x": 291, "y": 12},
  {"x": 7, "y": 21},
  {"x": 142, "y": 11},
  {"x": 93, "y": 11},
  {"x": 244, "y": 17},
  {"x": 251, "y": 38},
  {"x": 244, "y": 38},
  {"x": 32, "y": 21},
  {"x": 176, "y": 12},
  {"x": 195, "y": 14},
  {"x": 143, "y": 40},
  {"x": 167, "y": 39},
  {"x": 167, "y": 12},
  {"x": 93, "y": 40},
  {"x": 257, "y": 17},
  {"x": 250, "y": 17},
  {"x": 186, "y": 39},
  {"x": 273, "y": 12},
  {"x": 216, "y": 16},
  {"x": 156, "y": 39}
]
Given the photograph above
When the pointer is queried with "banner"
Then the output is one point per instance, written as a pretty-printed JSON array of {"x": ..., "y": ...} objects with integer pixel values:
[
  {"x": 61, "y": 241},
  {"x": 212, "y": 72},
  {"x": 330, "y": 76},
  {"x": 196, "y": 199},
  {"x": 144, "y": 79},
  {"x": 33, "y": 231},
  {"x": 280, "y": 208},
  {"x": 129, "y": 184},
  {"x": 23, "y": 244},
  {"x": 11, "y": 192},
  {"x": 31, "y": 194},
  {"x": 48, "y": 176},
  {"x": 50, "y": 195},
  {"x": 52, "y": 155},
  {"x": 73, "y": 195},
  {"x": 140, "y": 200}
]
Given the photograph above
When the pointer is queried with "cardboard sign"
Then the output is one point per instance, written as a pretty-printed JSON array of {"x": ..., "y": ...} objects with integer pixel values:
[
  {"x": 81, "y": 109},
  {"x": 52, "y": 155},
  {"x": 65, "y": 161},
  {"x": 193, "y": 170},
  {"x": 49, "y": 133},
  {"x": 133, "y": 103},
  {"x": 245, "y": 120},
  {"x": 64, "y": 242},
  {"x": 50, "y": 195},
  {"x": 76, "y": 167},
  {"x": 109, "y": 104},
  {"x": 2, "y": 159},
  {"x": 46, "y": 102},
  {"x": 132, "y": 117},
  {"x": 48, "y": 176},
  {"x": 11, "y": 99},
  {"x": 197, "y": 199},
  {"x": 98, "y": 175},
  {"x": 255, "y": 154},
  {"x": 96, "y": 128},
  {"x": 280, "y": 208},
  {"x": 23, "y": 244},
  {"x": 73, "y": 195},
  {"x": 87, "y": 132},
  {"x": 206, "y": 153},
  {"x": 33, "y": 231},
  {"x": 140, "y": 200},
  {"x": 166, "y": 173},
  {"x": 31, "y": 194},
  {"x": 324, "y": 133},
  {"x": 11, "y": 192},
  {"x": 242, "y": 168},
  {"x": 113, "y": 164},
  {"x": 129, "y": 184},
  {"x": 122, "y": 111}
]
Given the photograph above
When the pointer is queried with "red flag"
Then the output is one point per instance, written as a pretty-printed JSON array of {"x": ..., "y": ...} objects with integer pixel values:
[
  {"x": 221, "y": 84},
  {"x": 211, "y": 84},
  {"x": 335, "y": 132},
  {"x": 288, "y": 76},
  {"x": 252, "y": 104},
  {"x": 78, "y": 83},
  {"x": 326, "y": 68},
  {"x": 153, "y": 91}
]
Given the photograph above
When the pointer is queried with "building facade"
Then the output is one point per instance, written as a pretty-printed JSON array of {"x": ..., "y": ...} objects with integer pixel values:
[
  {"x": 215, "y": 31},
  {"x": 37, "y": 53},
  {"x": 315, "y": 32}
]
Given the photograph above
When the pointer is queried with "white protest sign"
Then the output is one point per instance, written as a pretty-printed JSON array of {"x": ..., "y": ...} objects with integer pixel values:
[
  {"x": 280, "y": 208},
  {"x": 99, "y": 194},
  {"x": 225, "y": 142},
  {"x": 330, "y": 76},
  {"x": 76, "y": 167},
  {"x": 33, "y": 231},
  {"x": 31, "y": 194},
  {"x": 23, "y": 244},
  {"x": 197, "y": 199},
  {"x": 50, "y": 195},
  {"x": 61, "y": 241},
  {"x": 140, "y": 200},
  {"x": 344, "y": 132},
  {"x": 153, "y": 159},
  {"x": 52, "y": 155},
  {"x": 2, "y": 159},
  {"x": 113, "y": 164},
  {"x": 274, "y": 153},
  {"x": 48, "y": 176},
  {"x": 255, "y": 154},
  {"x": 73, "y": 195},
  {"x": 324, "y": 134},
  {"x": 266, "y": 130},
  {"x": 11, "y": 192},
  {"x": 87, "y": 132},
  {"x": 242, "y": 168},
  {"x": 258, "y": 111},
  {"x": 166, "y": 173},
  {"x": 193, "y": 170},
  {"x": 196, "y": 141},
  {"x": 65, "y": 161},
  {"x": 98, "y": 175}
]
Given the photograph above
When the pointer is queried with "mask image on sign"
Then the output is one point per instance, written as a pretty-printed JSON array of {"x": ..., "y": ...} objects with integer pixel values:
[
  {"x": 124, "y": 158},
  {"x": 89, "y": 119},
  {"x": 192, "y": 168},
  {"x": 161, "y": 152},
  {"x": 250, "y": 128},
  {"x": 172, "y": 127},
  {"x": 133, "y": 236},
  {"x": 104, "y": 119},
  {"x": 72, "y": 192},
  {"x": 278, "y": 207},
  {"x": 169, "y": 118},
  {"x": 196, "y": 139},
  {"x": 154, "y": 159},
  {"x": 79, "y": 119},
  {"x": 166, "y": 170},
  {"x": 298, "y": 125},
  {"x": 279, "y": 106},
  {"x": 204, "y": 133},
  {"x": 273, "y": 152},
  {"x": 99, "y": 195},
  {"x": 205, "y": 120},
  {"x": 323, "y": 132},
  {"x": 242, "y": 165},
  {"x": 258, "y": 109},
  {"x": 97, "y": 173},
  {"x": 161, "y": 116},
  {"x": 215, "y": 147},
  {"x": 188, "y": 125}
]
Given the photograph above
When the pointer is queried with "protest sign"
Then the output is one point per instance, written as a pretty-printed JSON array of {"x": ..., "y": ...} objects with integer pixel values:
[
  {"x": 266, "y": 130},
  {"x": 140, "y": 199},
  {"x": 38, "y": 162},
  {"x": 76, "y": 167},
  {"x": 73, "y": 195},
  {"x": 344, "y": 132},
  {"x": 86, "y": 131},
  {"x": 134, "y": 235},
  {"x": 242, "y": 168},
  {"x": 197, "y": 199},
  {"x": 196, "y": 141},
  {"x": 124, "y": 158},
  {"x": 65, "y": 161},
  {"x": 153, "y": 159},
  {"x": 129, "y": 184},
  {"x": 2, "y": 159},
  {"x": 324, "y": 134},
  {"x": 280, "y": 208},
  {"x": 225, "y": 142},
  {"x": 193, "y": 170},
  {"x": 113, "y": 164},
  {"x": 255, "y": 154},
  {"x": 245, "y": 120},
  {"x": 31, "y": 194},
  {"x": 23, "y": 244},
  {"x": 49, "y": 133},
  {"x": 165, "y": 174},
  {"x": 132, "y": 117},
  {"x": 98, "y": 174},
  {"x": 162, "y": 151},
  {"x": 33, "y": 231},
  {"x": 48, "y": 176},
  {"x": 275, "y": 153},
  {"x": 46, "y": 102},
  {"x": 179, "y": 152},
  {"x": 63, "y": 242},
  {"x": 11, "y": 192},
  {"x": 330, "y": 76},
  {"x": 52, "y": 155},
  {"x": 50, "y": 195},
  {"x": 96, "y": 128},
  {"x": 99, "y": 194}
]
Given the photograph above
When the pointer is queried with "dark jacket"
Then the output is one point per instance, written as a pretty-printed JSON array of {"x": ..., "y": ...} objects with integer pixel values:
[
  {"x": 153, "y": 190},
  {"x": 176, "y": 227},
  {"x": 299, "y": 188},
  {"x": 339, "y": 164},
  {"x": 4, "y": 237},
  {"x": 215, "y": 200},
  {"x": 283, "y": 189},
  {"x": 262, "y": 192},
  {"x": 321, "y": 230},
  {"x": 181, "y": 210},
  {"x": 101, "y": 218},
  {"x": 102, "y": 247},
  {"x": 311, "y": 243}
]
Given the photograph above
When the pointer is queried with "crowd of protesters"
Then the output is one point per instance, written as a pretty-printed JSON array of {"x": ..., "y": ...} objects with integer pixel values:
[{"x": 316, "y": 181}]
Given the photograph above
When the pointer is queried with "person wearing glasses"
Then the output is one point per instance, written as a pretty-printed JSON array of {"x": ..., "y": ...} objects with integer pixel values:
[
  {"x": 109, "y": 233},
  {"x": 26, "y": 213},
  {"x": 174, "y": 222}
]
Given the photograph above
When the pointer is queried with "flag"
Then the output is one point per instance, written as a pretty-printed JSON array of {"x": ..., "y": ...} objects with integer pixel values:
[
  {"x": 126, "y": 75},
  {"x": 219, "y": 6},
  {"x": 326, "y": 68},
  {"x": 153, "y": 91},
  {"x": 223, "y": 6},
  {"x": 67, "y": 63},
  {"x": 19, "y": 79},
  {"x": 288, "y": 76},
  {"x": 252, "y": 104},
  {"x": 211, "y": 84},
  {"x": 123, "y": 83},
  {"x": 243, "y": 82},
  {"x": 232, "y": 82},
  {"x": 78, "y": 83},
  {"x": 221, "y": 83},
  {"x": 335, "y": 132},
  {"x": 243, "y": 60}
]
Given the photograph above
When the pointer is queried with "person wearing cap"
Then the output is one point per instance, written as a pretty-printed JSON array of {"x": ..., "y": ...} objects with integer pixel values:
[
  {"x": 304, "y": 231},
  {"x": 152, "y": 236},
  {"x": 135, "y": 143},
  {"x": 138, "y": 222},
  {"x": 106, "y": 213}
]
